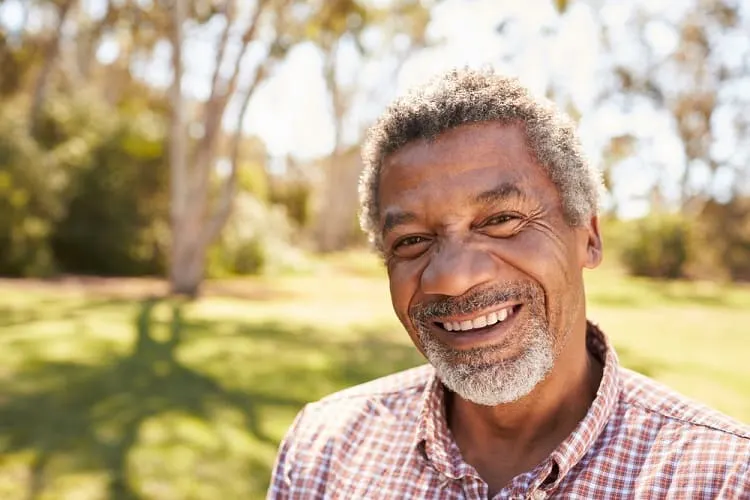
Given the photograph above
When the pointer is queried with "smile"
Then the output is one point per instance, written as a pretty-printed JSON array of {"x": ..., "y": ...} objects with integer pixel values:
[{"x": 480, "y": 321}]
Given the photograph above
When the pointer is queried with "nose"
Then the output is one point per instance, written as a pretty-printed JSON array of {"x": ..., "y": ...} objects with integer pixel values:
[{"x": 456, "y": 268}]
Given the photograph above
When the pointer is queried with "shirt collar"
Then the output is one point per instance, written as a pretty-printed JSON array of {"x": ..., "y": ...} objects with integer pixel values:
[
  {"x": 578, "y": 443},
  {"x": 434, "y": 439}
]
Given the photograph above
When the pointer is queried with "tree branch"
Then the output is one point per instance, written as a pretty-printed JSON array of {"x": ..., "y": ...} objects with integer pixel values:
[
  {"x": 50, "y": 54},
  {"x": 337, "y": 108},
  {"x": 227, "y": 11},
  {"x": 177, "y": 146},
  {"x": 217, "y": 105},
  {"x": 247, "y": 37},
  {"x": 229, "y": 188}
]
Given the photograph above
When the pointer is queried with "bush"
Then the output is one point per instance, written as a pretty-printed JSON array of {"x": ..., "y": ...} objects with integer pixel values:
[
  {"x": 257, "y": 238},
  {"x": 615, "y": 233},
  {"x": 115, "y": 221},
  {"x": 724, "y": 233},
  {"x": 659, "y": 246},
  {"x": 86, "y": 194},
  {"x": 29, "y": 198},
  {"x": 295, "y": 196},
  {"x": 254, "y": 179}
]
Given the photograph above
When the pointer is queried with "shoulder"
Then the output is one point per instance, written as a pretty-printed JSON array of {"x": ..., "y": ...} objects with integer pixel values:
[
  {"x": 398, "y": 386},
  {"x": 369, "y": 409},
  {"x": 656, "y": 401},
  {"x": 670, "y": 444},
  {"x": 695, "y": 447},
  {"x": 344, "y": 438}
]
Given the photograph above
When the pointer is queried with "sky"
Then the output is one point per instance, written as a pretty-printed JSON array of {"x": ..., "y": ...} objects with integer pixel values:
[{"x": 530, "y": 40}]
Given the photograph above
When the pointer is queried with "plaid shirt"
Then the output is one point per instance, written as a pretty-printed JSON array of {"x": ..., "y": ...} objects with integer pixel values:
[{"x": 389, "y": 439}]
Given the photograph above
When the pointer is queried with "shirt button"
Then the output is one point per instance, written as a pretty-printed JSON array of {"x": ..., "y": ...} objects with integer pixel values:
[{"x": 538, "y": 495}]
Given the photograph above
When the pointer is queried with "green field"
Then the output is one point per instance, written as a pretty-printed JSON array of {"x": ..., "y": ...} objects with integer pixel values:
[{"x": 107, "y": 393}]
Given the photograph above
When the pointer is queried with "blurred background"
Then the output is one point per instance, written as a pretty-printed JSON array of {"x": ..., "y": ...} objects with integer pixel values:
[{"x": 182, "y": 266}]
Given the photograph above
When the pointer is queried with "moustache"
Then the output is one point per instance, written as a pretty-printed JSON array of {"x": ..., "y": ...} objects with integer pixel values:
[{"x": 528, "y": 293}]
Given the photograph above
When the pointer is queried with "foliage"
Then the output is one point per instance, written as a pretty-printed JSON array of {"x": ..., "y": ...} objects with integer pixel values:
[
  {"x": 253, "y": 179},
  {"x": 724, "y": 229},
  {"x": 29, "y": 197},
  {"x": 294, "y": 195},
  {"x": 127, "y": 234},
  {"x": 15, "y": 62},
  {"x": 659, "y": 246},
  {"x": 693, "y": 81},
  {"x": 87, "y": 195},
  {"x": 258, "y": 238},
  {"x": 614, "y": 233},
  {"x": 714, "y": 245}
]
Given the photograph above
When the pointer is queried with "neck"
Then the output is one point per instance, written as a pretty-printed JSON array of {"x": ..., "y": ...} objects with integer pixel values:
[{"x": 523, "y": 433}]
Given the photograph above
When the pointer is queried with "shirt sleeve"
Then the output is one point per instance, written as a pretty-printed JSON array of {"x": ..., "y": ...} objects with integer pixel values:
[{"x": 281, "y": 480}]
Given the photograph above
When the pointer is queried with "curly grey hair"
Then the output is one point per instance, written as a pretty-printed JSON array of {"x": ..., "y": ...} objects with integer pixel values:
[{"x": 466, "y": 96}]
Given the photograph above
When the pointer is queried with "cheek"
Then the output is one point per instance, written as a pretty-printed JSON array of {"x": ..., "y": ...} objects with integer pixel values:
[
  {"x": 404, "y": 286},
  {"x": 545, "y": 258},
  {"x": 404, "y": 282},
  {"x": 542, "y": 256}
]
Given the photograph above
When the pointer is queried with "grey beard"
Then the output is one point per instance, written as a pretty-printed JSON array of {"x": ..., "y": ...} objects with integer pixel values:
[{"x": 476, "y": 374}]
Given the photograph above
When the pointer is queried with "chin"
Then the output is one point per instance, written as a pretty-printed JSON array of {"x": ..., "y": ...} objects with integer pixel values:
[{"x": 486, "y": 375}]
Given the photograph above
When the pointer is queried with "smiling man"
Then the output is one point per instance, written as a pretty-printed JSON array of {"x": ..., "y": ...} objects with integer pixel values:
[{"x": 479, "y": 199}]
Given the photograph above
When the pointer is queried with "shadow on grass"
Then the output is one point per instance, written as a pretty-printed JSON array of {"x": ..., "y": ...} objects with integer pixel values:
[{"x": 91, "y": 417}]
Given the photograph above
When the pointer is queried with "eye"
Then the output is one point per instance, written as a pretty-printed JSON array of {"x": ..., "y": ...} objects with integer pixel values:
[
  {"x": 411, "y": 246},
  {"x": 501, "y": 225},
  {"x": 409, "y": 241},
  {"x": 498, "y": 219}
]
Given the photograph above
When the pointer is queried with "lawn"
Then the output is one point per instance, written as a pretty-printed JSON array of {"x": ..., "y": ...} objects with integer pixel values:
[{"x": 110, "y": 392}]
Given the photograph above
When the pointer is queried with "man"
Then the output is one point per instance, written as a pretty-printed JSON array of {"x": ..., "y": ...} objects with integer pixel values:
[{"x": 485, "y": 211}]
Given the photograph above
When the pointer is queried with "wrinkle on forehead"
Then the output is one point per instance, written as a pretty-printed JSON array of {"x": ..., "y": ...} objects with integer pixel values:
[{"x": 488, "y": 160}]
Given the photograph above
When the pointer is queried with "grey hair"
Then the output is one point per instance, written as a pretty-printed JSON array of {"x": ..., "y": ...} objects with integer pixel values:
[{"x": 467, "y": 96}]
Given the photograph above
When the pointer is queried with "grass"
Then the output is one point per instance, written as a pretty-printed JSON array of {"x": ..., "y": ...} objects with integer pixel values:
[{"x": 108, "y": 393}]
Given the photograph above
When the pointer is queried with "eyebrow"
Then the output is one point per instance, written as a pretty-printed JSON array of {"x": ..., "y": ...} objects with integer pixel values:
[
  {"x": 502, "y": 192},
  {"x": 393, "y": 219}
]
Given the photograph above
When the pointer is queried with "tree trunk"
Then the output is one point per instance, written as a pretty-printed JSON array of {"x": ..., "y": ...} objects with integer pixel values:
[
  {"x": 335, "y": 214},
  {"x": 336, "y": 217},
  {"x": 197, "y": 219},
  {"x": 186, "y": 267}
]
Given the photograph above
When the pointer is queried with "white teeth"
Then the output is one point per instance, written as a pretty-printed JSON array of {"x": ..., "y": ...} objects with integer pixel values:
[
  {"x": 501, "y": 315},
  {"x": 480, "y": 322},
  {"x": 492, "y": 318}
]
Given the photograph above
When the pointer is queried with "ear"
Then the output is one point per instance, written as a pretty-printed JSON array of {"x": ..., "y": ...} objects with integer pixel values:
[{"x": 593, "y": 255}]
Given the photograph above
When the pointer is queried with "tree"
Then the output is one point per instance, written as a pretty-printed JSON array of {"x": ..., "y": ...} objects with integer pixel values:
[
  {"x": 696, "y": 80},
  {"x": 343, "y": 26},
  {"x": 199, "y": 209},
  {"x": 196, "y": 218}
]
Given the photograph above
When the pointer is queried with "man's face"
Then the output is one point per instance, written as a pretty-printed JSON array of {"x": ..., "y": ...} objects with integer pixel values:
[{"x": 485, "y": 273}]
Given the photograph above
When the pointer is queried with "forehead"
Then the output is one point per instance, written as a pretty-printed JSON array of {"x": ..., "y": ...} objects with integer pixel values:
[{"x": 469, "y": 158}]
